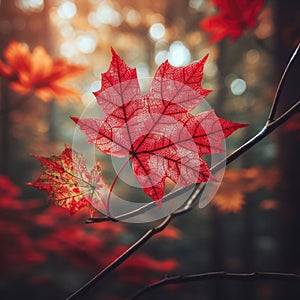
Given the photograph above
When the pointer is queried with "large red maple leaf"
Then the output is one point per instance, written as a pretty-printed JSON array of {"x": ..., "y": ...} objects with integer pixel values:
[
  {"x": 156, "y": 131},
  {"x": 232, "y": 19},
  {"x": 68, "y": 182}
]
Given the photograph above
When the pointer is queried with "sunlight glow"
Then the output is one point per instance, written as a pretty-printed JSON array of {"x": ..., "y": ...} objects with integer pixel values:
[{"x": 67, "y": 10}]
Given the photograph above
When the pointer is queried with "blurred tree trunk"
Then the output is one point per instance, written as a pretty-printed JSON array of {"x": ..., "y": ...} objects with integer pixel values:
[
  {"x": 217, "y": 243},
  {"x": 4, "y": 135},
  {"x": 288, "y": 35},
  {"x": 7, "y": 12}
]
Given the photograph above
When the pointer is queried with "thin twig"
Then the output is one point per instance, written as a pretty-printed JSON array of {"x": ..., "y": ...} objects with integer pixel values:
[
  {"x": 123, "y": 257},
  {"x": 217, "y": 275},
  {"x": 281, "y": 85},
  {"x": 270, "y": 127}
]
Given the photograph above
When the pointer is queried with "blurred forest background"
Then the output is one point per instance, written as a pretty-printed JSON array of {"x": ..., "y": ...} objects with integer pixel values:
[{"x": 253, "y": 224}]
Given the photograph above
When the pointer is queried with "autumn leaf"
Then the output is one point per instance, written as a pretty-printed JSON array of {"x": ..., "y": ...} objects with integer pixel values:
[
  {"x": 37, "y": 72},
  {"x": 7, "y": 188},
  {"x": 68, "y": 182},
  {"x": 249, "y": 180},
  {"x": 156, "y": 131},
  {"x": 232, "y": 19}
]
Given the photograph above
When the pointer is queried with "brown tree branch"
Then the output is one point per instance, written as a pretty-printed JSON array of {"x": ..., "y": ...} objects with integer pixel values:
[
  {"x": 123, "y": 257},
  {"x": 217, "y": 275}
]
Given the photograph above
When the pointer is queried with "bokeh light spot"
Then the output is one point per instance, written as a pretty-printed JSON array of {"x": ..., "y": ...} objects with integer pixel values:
[
  {"x": 161, "y": 56},
  {"x": 132, "y": 17},
  {"x": 30, "y": 5},
  {"x": 179, "y": 54},
  {"x": 196, "y": 4},
  {"x": 238, "y": 86},
  {"x": 252, "y": 56},
  {"x": 157, "y": 31},
  {"x": 95, "y": 86},
  {"x": 105, "y": 14},
  {"x": 67, "y": 10},
  {"x": 67, "y": 49},
  {"x": 86, "y": 43}
]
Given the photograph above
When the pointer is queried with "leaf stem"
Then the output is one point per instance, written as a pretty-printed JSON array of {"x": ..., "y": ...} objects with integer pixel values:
[
  {"x": 114, "y": 183},
  {"x": 217, "y": 275}
]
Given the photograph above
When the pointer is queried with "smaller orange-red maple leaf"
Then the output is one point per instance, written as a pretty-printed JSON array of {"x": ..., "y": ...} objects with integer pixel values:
[
  {"x": 68, "y": 182},
  {"x": 232, "y": 19},
  {"x": 37, "y": 72}
]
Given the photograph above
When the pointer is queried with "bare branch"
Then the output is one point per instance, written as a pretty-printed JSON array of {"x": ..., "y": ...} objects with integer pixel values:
[
  {"x": 217, "y": 275},
  {"x": 281, "y": 85},
  {"x": 138, "y": 244}
]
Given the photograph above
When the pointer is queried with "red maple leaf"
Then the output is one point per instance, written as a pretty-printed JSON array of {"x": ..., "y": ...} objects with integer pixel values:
[
  {"x": 156, "y": 131},
  {"x": 232, "y": 19},
  {"x": 68, "y": 182}
]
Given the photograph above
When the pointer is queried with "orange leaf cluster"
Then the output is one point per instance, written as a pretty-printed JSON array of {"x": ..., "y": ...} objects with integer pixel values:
[
  {"x": 37, "y": 72},
  {"x": 230, "y": 197}
]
